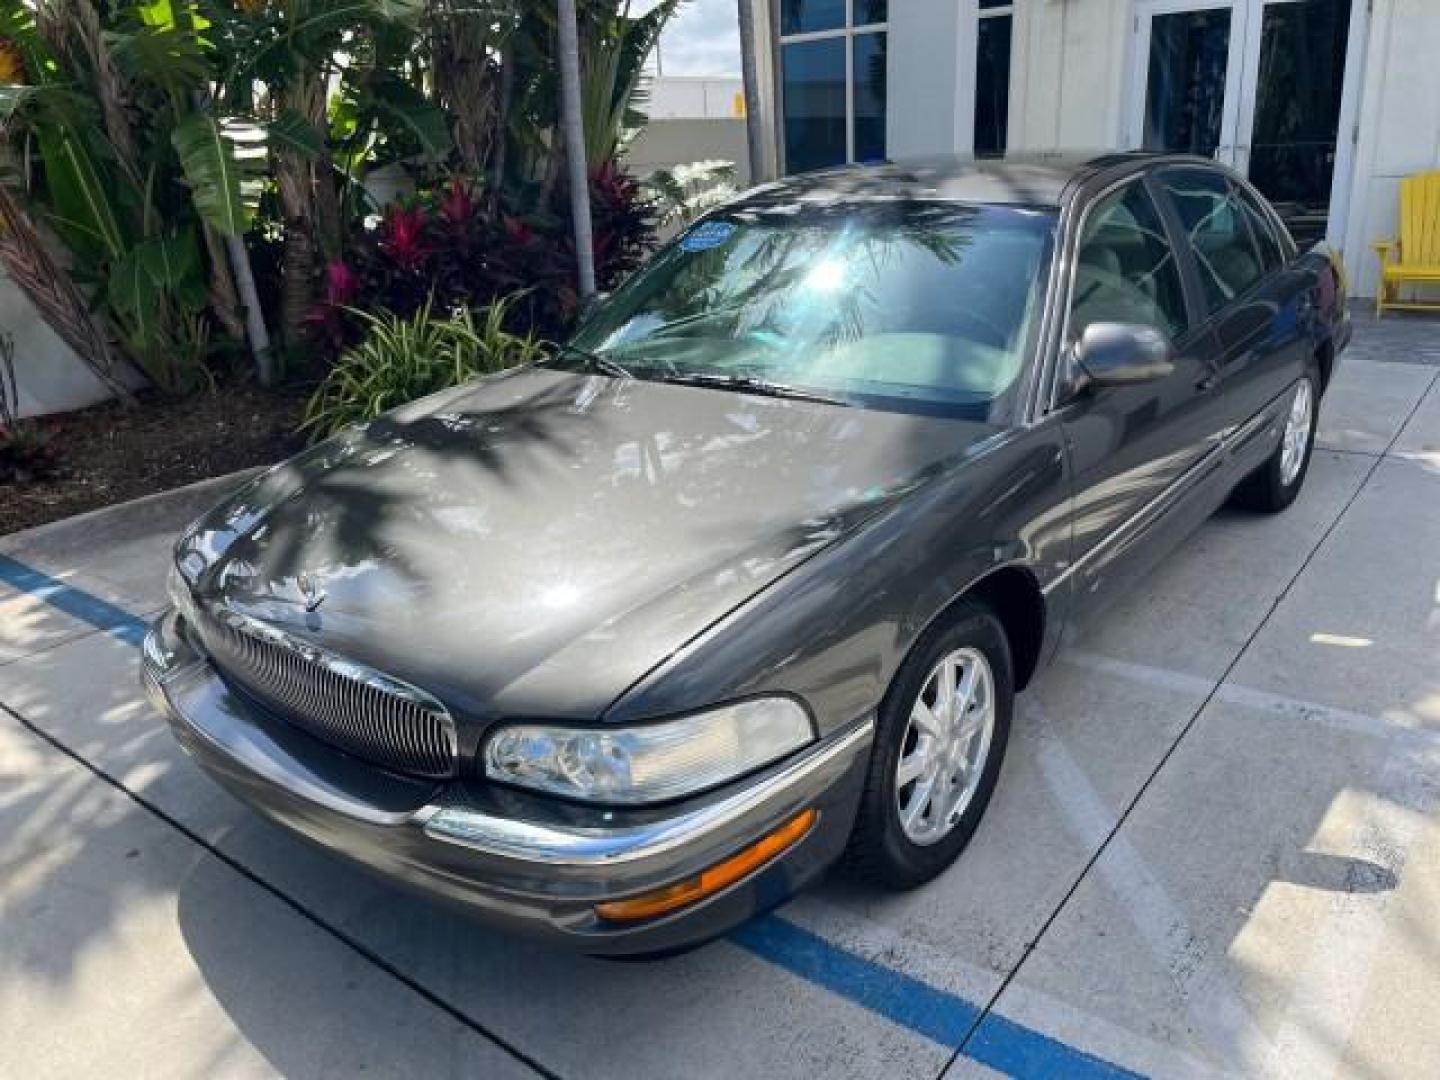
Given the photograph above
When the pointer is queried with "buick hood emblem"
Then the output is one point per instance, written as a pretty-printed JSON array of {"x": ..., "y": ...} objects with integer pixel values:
[{"x": 312, "y": 595}]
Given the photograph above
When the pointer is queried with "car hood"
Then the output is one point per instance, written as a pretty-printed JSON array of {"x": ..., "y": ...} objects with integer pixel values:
[{"x": 534, "y": 543}]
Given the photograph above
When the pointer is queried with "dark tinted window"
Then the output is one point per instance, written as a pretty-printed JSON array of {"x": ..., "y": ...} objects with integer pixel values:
[
  {"x": 1272, "y": 252},
  {"x": 1185, "y": 90},
  {"x": 1218, "y": 235},
  {"x": 1125, "y": 267},
  {"x": 804, "y": 16},
  {"x": 870, "y": 11},
  {"x": 886, "y": 303},
  {"x": 869, "y": 90},
  {"x": 814, "y": 98},
  {"x": 992, "y": 86}
]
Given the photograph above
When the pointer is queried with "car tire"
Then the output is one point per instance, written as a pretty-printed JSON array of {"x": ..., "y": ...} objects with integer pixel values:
[
  {"x": 1273, "y": 486},
  {"x": 883, "y": 849}
]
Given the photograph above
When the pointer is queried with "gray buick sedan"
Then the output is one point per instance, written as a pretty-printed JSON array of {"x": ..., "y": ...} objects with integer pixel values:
[{"x": 626, "y": 646}]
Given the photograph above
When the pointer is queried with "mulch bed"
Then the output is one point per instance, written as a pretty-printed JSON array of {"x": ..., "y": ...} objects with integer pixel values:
[{"x": 111, "y": 454}]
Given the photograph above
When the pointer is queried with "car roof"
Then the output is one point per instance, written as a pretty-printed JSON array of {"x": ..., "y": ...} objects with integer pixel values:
[{"x": 1022, "y": 179}]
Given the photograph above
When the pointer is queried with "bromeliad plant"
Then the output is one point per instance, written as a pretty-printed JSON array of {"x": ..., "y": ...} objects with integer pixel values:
[
  {"x": 457, "y": 246},
  {"x": 404, "y": 358}
]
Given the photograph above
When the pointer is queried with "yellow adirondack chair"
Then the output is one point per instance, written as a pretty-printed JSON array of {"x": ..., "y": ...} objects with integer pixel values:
[{"x": 1413, "y": 258}]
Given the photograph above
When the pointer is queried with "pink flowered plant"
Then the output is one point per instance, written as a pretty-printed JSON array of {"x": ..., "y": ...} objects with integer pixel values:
[{"x": 402, "y": 236}]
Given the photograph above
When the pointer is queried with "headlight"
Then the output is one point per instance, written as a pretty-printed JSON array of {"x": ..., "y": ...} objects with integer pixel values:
[{"x": 650, "y": 762}]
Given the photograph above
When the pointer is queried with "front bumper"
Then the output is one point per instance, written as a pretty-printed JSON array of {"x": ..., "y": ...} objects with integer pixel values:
[{"x": 522, "y": 862}]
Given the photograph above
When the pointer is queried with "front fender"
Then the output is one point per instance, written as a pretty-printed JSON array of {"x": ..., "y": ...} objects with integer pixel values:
[{"x": 835, "y": 630}]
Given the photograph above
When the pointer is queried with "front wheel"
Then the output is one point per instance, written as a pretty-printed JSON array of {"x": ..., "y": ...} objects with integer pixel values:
[
  {"x": 940, "y": 738},
  {"x": 1273, "y": 486}
]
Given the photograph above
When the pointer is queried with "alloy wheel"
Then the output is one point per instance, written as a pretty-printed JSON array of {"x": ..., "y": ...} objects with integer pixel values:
[
  {"x": 1297, "y": 433},
  {"x": 946, "y": 745}
]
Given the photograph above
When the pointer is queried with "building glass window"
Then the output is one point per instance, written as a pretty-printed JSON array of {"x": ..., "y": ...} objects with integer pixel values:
[
  {"x": 814, "y": 88},
  {"x": 832, "y": 81},
  {"x": 868, "y": 88},
  {"x": 808, "y": 16},
  {"x": 992, "y": 77}
]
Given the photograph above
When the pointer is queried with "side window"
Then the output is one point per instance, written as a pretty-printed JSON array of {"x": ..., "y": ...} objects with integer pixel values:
[
  {"x": 1125, "y": 269},
  {"x": 1272, "y": 252},
  {"x": 1226, "y": 255}
]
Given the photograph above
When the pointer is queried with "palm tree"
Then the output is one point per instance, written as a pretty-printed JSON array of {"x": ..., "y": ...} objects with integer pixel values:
[{"x": 573, "y": 124}]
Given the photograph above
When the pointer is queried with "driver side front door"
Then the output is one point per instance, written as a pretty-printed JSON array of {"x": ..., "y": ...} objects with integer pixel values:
[{"x": 1146, "y": 458}]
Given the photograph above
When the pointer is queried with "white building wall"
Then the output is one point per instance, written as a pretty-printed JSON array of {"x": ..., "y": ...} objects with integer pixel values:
[
  {"x": 1070, "y": 87},
  {"x": 1399, "y": 126},
  {"x": 930, "y": 98},
  {"x": 49, "y": 376}
]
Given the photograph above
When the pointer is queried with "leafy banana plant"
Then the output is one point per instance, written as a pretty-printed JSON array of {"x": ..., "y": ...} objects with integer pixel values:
[{"x": 125, "y": 166}]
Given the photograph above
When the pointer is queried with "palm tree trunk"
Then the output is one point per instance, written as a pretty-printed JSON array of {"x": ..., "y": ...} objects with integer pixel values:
[{"x": 574, "y": 133}]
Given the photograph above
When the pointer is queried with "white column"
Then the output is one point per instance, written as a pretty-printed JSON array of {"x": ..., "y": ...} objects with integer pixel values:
[{"x": 930, "y": 97}]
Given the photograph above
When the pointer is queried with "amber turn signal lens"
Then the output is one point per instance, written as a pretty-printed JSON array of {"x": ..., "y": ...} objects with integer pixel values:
[{"x": 708, "y": 882}]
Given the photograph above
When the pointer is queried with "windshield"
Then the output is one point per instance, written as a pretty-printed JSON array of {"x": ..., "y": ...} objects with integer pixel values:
[{"x": 899, "y": 305}]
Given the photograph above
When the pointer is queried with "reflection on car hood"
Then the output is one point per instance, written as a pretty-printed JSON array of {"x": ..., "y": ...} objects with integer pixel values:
[{"x": 534, "y": 543}]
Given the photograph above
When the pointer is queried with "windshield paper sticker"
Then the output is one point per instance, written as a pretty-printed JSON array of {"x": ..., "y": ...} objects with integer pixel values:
[{"x": 709, "y": 235}]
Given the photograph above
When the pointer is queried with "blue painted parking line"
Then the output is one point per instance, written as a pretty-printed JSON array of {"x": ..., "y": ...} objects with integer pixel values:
[
  {"x": 935, "y": 1014},
  {"x": 938, "y": 1015},
  {"x": 1016, "y": 1050},
  {"x": 75, "y": 602}
]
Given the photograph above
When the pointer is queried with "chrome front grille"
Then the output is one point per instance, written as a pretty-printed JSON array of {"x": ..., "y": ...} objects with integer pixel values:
[{"x": 357, "y": 710}]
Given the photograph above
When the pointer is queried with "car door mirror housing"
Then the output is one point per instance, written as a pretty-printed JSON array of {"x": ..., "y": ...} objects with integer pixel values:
[{"x": 1120, "y": 354}]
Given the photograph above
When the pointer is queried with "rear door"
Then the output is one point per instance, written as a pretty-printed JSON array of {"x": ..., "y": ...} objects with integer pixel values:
[
  {"x": 1255, "y": 299},
  {"x": 1142, "y": 457}
]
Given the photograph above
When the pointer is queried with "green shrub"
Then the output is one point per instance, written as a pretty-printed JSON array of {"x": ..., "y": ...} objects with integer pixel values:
[{"x": 401, "y": 359}]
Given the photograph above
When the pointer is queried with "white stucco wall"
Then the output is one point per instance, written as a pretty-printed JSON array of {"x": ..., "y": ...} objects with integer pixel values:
[
  {"x": 1067, "y": 73},
  {"x": 1399, "y": 119},
  {"x": 930, "y": 108},
  {"x": 48, "y": 375},
  {"x": 1070, "y": 90}
]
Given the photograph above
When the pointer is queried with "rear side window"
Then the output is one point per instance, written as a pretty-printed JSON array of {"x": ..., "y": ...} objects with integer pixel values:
[
  {"x": 1272, "y": 251},
  {"x": 1214, "y": 219},
  {"x": 1125, "y": 268}
]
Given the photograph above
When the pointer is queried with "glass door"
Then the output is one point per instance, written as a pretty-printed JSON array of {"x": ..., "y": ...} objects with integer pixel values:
[
  {"x": 1289, "y": 141},
  {"x": 1257, "y": 84},
  {"x": 1187, "y": 77}
]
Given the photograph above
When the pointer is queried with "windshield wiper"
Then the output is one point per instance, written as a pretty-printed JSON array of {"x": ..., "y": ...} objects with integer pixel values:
[
  {"x": 597, "y": 362},
  {"x": 749, "y": 384}
]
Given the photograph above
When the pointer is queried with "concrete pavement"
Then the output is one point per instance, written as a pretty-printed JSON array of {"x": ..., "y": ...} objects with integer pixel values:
[{"x": 1212, "y": 849}]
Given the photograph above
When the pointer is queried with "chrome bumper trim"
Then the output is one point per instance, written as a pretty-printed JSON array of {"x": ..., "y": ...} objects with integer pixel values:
[
  {"x": 182, "y": 684},
  {"x": 524, "y": 841}
]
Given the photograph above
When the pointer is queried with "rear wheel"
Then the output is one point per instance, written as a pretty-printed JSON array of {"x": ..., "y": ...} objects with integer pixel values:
[
  {"x": 939, "y": 742},
  {"x": 1273, "y": 486}
]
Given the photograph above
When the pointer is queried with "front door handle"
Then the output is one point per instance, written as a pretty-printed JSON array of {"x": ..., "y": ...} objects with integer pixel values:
[{"x": 1208, "y": 383}]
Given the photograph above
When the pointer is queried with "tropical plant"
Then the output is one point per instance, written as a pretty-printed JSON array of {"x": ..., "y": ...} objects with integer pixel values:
[
  {"x": 147, "y": 134},
  {"x": 401, "y": 359},
  {"x": 452, "y": 246},
  {"x": 333, "y": 84},
  {"x": 121, "y": 164},
  {"x": 31, "y": 267}
]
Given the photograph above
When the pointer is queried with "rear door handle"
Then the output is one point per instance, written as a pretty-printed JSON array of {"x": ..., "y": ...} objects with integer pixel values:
[{"x": 1208, "y": 383}]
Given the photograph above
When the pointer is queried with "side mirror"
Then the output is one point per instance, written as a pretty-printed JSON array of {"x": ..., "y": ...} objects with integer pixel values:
[{"x": 1120, "y": 354}]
